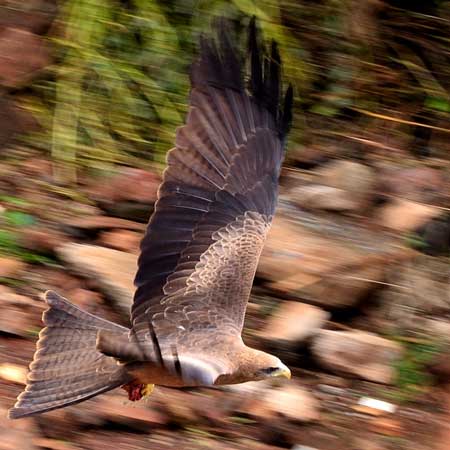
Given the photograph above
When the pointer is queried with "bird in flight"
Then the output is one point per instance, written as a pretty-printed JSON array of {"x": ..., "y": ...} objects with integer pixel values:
[{"x": 199, "y": 254}]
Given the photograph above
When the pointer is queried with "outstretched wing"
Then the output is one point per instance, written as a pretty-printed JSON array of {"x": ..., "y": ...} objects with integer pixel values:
[{"x": 216, "y": 202}]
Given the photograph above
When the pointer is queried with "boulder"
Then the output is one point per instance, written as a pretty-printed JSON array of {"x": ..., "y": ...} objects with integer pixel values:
[
  {"x": 294, "y": 403},
  {"x": 22, "y": 56},
  {"x": 101, "y": 223},
  {"x": 10, "y": 267},
  {"x": 13, "y": 119},
  {"x": 321, "y": 197},
  {"x": 137, "y": 416},
  {"x": 125, "y": 240},
  {"x": 129, "y": 184},
  {"x": 292, "y": 323},
  {"x": 357, "y": 353},
  {"x": 405, "y": 215},
  {"x": 41, "y": 239},
  {"x": 13, "y": 373},
  {"x": 417, "y": 184},
  {"x": 356, "y": 179},
  {"x": 417, "y": 289},
  {"x": 113, "y": 270},
  {"x": 17, "y": 434},
  {"x": 265, "y": 400},
  {"x": 33, "y": 15},
  {"x": 330, "y": 264},
  {"x": 23, "y": 313},
  {"x": 85, "y": 299}
]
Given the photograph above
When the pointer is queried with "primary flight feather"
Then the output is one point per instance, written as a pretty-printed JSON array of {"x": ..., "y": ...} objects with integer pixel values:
[{"x": 198, "y": 256}]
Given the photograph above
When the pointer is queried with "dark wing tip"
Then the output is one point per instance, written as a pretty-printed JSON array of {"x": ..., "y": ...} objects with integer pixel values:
[
  {"x": 221, "y": 65},
  {"x": 286, "y": 119}
]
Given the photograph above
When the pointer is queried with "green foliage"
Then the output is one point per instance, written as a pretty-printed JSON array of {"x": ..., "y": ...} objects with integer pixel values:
[
  {"x": 11, "y": 223},
  {"x": 14, "y": 201},
  {"x": 18, "y": 218},
  {"x": 10, "y": 246},
  {"x": 119, "y": 87},
  {"x": 412, "y": 376},
  {"x": 115, "y": 94},
  {"x": 415, "y": 241}
]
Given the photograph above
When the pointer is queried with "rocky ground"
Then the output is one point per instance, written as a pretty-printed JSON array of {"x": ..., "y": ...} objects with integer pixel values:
[{"x": 352, "y": 291}]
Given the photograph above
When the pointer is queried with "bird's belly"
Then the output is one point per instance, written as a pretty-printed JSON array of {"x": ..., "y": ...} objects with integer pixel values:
[{"x": 149, "y": 373}]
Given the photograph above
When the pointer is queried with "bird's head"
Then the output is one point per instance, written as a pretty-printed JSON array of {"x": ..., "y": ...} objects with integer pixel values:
[
  {"x": 270, "y": 366},
  {"x": 261, "y": 365}
]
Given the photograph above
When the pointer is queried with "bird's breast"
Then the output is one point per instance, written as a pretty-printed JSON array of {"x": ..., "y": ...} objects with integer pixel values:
[{"x": 150, "y": 373}]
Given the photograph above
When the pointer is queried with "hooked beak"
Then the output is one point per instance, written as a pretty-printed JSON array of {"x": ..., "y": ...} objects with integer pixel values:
[{"x": 283, "y": 371}]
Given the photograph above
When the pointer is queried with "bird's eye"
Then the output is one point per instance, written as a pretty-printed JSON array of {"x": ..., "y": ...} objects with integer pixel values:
[{"x": 270, "y": 370}]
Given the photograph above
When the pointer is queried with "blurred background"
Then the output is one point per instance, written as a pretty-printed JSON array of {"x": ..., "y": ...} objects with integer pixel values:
[{"x": 353, "y": 288}]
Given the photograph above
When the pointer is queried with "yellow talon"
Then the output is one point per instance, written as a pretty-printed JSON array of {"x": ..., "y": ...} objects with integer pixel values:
[{"x": 147, "y": 389}]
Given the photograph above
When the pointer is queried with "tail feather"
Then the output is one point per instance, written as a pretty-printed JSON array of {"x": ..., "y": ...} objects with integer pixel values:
[{"x": 67, "y": 368}]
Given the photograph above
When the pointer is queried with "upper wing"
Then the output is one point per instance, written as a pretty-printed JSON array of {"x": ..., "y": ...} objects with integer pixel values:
[{"x": 216, "y": 202}]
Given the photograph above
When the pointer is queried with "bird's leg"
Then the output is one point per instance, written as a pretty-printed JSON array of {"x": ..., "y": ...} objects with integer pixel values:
[{"x": 136, "y": 391}]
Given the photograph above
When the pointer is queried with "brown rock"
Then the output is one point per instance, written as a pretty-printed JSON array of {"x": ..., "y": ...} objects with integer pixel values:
[
  {"x": 358, "y": 353},
  {"x": 38, "y": 167},
  {"x": 323, "y": 198},
  {"x": 125, "y": 240},
  {"x": 54, "y": 444},
  {"x": 85, "y": 299},
  {"x": 13, "y": 373},
  {"x": 387, "y": 426},
  {"x": 103, "y": 222},
  {"x": 23, "y": 313},
  {"x": 112, "y": 269},
  {"x": 13, "y": 120},
  {"x": 34, "y": 15},
  {"x": 10, "y": 267},
  {"x": 418, "y": 288},
  {"x": 417, "y": 184},
  {"x": 308, "y": 157},
  {"x": 22, "y": 56},
  {"x": 367, "y": 443},
  {"x": 41, "y": 239},
  {"x": 293, "y": 402},
  {"x": 405, "y": 215},
  {"x": 17, "y": 434},
  {"x": 293, "y": 322},
  {"x": 356, "y": 179},
  {"x": 440, "y": 329},
  {"x": 44, "y": 278},
  {"x": 265, "y": 400},
  {"x": 177, "y": 405},
  {"x": 131, "y": 184},
  {"x": 348, "y": 284},
  {"x": 114, "y": 409},
  {"x": 330, "y": 265},
  {"x": 295, "y": 256}
]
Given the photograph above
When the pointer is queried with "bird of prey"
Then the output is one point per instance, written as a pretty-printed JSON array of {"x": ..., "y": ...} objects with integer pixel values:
[{"x": 199, "y": 254}]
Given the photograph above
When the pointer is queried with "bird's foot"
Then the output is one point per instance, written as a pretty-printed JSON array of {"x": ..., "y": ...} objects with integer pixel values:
[{"x": 136, "y": 391}]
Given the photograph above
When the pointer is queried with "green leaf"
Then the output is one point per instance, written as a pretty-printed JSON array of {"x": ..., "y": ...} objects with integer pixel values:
[
  {"x": 324, "y": 110},
  {"x": 16, "y": 201},
  {"x": 18, "y": 218},
  {"x": 438, "y": 103}
]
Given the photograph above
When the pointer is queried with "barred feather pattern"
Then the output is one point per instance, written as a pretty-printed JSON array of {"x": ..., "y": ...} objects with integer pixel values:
[
  {"x": 67, "y": 368},
  {"x": 215, "y": 205}
]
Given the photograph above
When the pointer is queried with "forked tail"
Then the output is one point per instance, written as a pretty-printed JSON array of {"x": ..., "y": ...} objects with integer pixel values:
[{"x": 67, "y": 368}]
